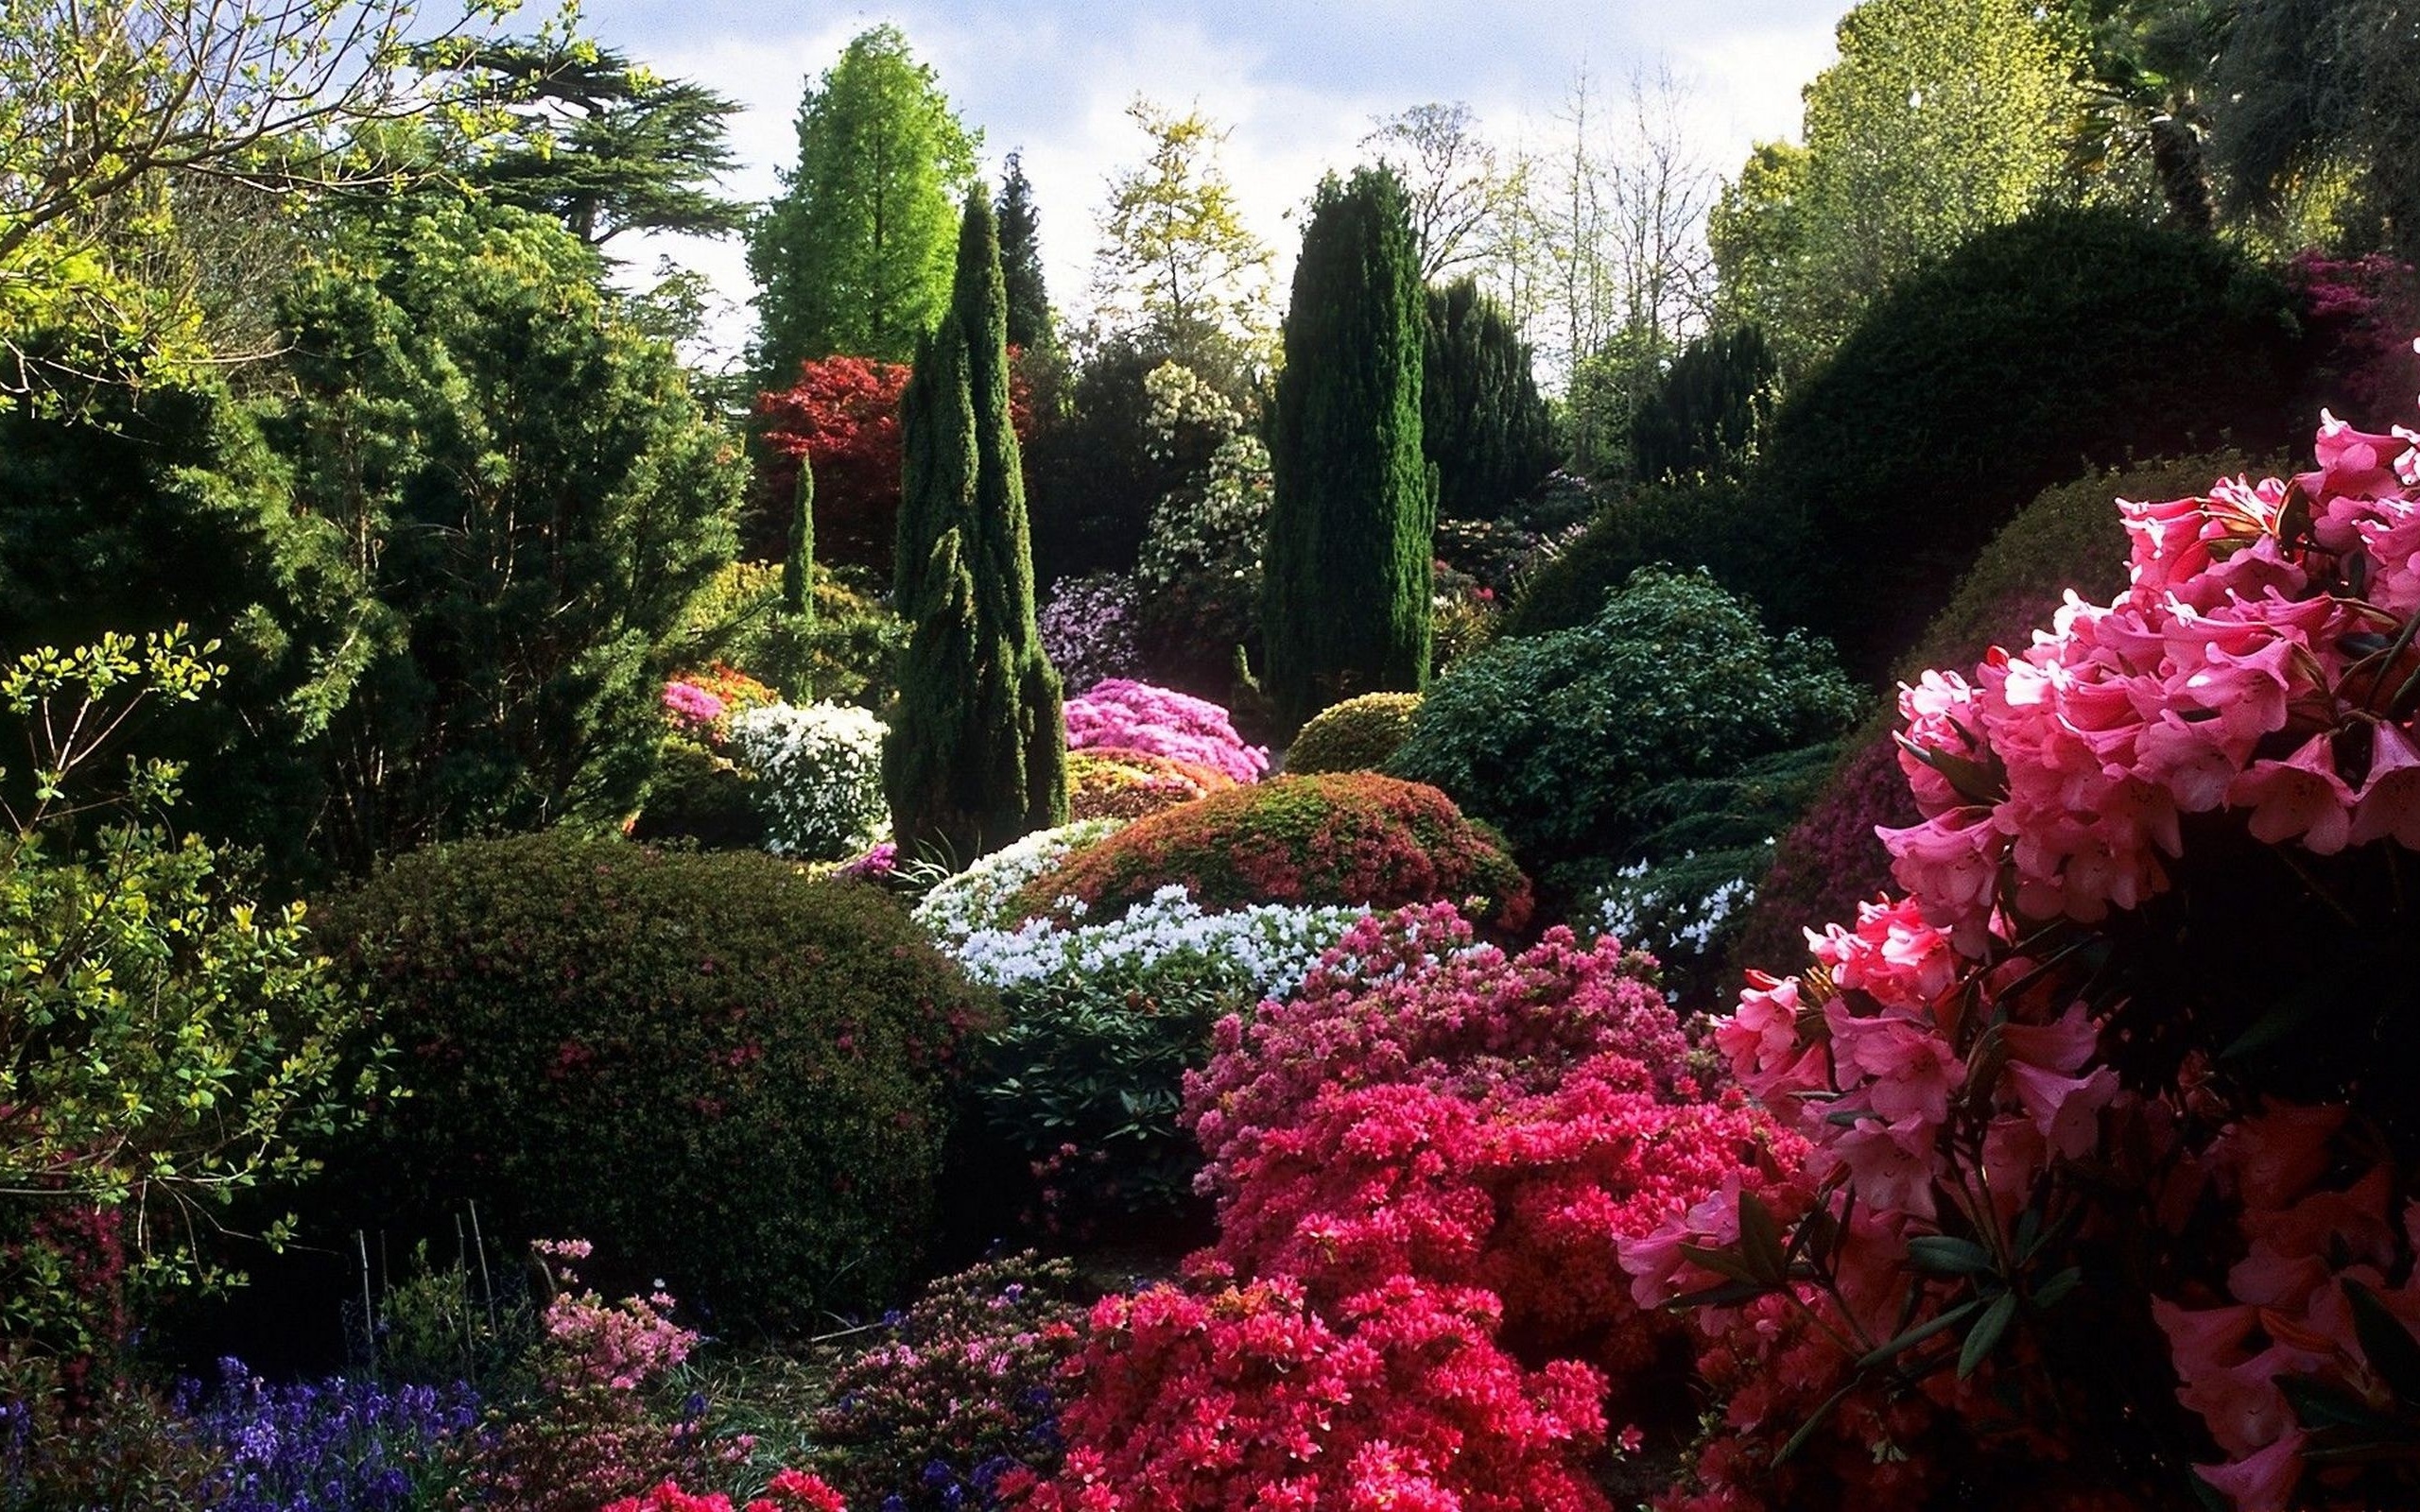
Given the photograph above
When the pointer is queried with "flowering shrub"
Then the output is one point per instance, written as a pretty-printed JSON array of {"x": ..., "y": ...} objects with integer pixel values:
[
  {"x": 876, "y": 863},
  {"x": 1102, "y": 1020},
  {"x": 985, "y": 895},
  {"x": 1353, "y": 838},
  {"x": 1126, "y": 785},
  {"x": 959, "y": 1405},
  {"x": 2158, "y": 854},
  {"x": 702, "y": 704},
  {"x": 692, "y": 708},
  {"x": 819, "y": 777},
  {"x": 1358, "y": 735},
  {"x": 789, "y": 1492},
  {"x": 1089, "y": 628},
  {"x": 1414, "y": 1155},
  {"x": 604, "y": 1040},
  {"x": 1122, "y": 715}
]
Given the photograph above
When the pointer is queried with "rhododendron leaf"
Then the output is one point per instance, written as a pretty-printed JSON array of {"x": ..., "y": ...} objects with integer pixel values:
[
  {"x": 1814, "y": 1420},
  {"x": 1946, "y": 1255},
  {"x": 1988, "y": 1332},
  {"x": 1730, "y": 1294},
  {"x": 1817, "y": 1232},
  {"x": 2294, "y": 521},
  {"x": 2319, "y": 1405},
  {"x": 1760, "y": 1239},
  {"x": 1920, "y": 1332},
  {"x": 1725, "y": 1263},
  {"x": 2391, "y": 1350},
  {"x": 2272, "y": 1028},
  {"x": 2056, "y": 1290},
  {"x": 1975, "y": 782}
]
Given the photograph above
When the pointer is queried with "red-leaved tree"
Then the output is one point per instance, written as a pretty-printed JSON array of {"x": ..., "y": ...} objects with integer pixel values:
[{"x": 844, "y": 413}]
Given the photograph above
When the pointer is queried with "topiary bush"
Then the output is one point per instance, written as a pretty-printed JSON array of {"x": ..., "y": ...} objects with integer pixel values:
[
  {"x": 725, "y": 1073},
  {"x": 1109, "y": 784},
  {"x": 1354, "y": 838},
  {"x": 1553, "y": 737},
  {"x": 2069, "y": 337},
  {"x": 1358, "y": 735}
]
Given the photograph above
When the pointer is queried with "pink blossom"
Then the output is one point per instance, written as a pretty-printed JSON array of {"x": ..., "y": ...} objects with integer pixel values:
[{"x": 2301, "y": 797}]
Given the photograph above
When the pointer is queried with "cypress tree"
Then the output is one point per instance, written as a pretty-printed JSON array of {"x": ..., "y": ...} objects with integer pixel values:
[
  {"x": 797, "y": 568},
  {"x": 1483, "y": 423},
  {"x": 1030, "y": 324},
  {"x": 1708, "y": 413},
  {"x": 977, "y": 751},
  {"x": 1354, "y": 513}
]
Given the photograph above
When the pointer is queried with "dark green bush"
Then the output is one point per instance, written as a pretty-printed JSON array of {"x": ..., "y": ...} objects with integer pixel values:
[
  {"x": 720, "y": 1072},
  {"x": 1709, "y": 524},
  {"x": 2066, "y": 341},
  {"x": 1707, "y": 413},
  {"x": 1357, "y": 736},
  {"x": 700, "y": 796},
  {"x": 1552, "y": 738}
]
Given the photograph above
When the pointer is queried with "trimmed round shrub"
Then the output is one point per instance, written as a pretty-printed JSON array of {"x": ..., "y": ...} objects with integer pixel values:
[
  {"x": 1556, "y": 738},
  {"x": 726, "y": 1074},
  {"x": 1354, "y": 838},
  {"x": 1357, "y": 736},
  {"x": 2068, "y": 339},
  {"x": 1829, "y": 860},
  {"x": 1109, "y": 784},
  {"x": 819, "y": 777}
]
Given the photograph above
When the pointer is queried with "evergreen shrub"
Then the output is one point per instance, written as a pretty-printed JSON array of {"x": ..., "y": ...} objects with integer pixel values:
[
  {"x": 726, "y": 1074},
  {"x": 1358, "y": 735}
]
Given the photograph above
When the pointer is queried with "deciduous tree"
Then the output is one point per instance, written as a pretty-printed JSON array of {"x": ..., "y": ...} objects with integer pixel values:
[{"x": 1175, "y": 255}]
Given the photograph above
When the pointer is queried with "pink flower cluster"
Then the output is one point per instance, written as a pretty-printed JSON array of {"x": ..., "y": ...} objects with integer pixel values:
[
  {"x": 2312, "y": 1247},
  {"x": 692, "y": 707},
  {"x": 1127, "y": 715},
  {"x": 789, "y": 1492},
  {"x": 1421, "y": 1161},
  {"x": 2256, "y": 665}
]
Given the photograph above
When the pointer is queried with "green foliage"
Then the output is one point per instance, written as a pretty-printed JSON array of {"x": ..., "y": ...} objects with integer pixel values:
[
  {"x": 847, "y": 652},
  {"x": 1706, "y": 415},
  {"x": 1941, "y": 118},
  {"x": 978, "y": 749},
  {"x": 1483, "y": 425},
  {"x": 599, "y": 143},
  {"x": 701, "y": 795},
  {"x": 1031, "y": 327},
  {"x": 798, "y": 566},
  {"x": 2307, "y": 90},
  {"x": 1713, "y": 524},
  {"x": 853, "y": 256},
  {"x": 1358, "y": 735},
  {"x": 1553, "y": 738},
  {"x": 1176, "y": 260},
  {"x": 2066, "y": 341},
  {"x": 1347, "y": 576},
  {"x": 164, "y": 1045},
  {"x": 723, "y": 1073}
]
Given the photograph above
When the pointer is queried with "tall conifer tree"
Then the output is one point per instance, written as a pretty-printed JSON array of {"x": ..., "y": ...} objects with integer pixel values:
[
  {"x": 1353, "y": 515},
  {"x": 976, "y": 752},
  {"x": 1030, "y": 324}
]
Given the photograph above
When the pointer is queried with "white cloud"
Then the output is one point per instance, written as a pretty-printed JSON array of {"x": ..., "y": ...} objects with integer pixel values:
[{"x": 1298, "y": 82}]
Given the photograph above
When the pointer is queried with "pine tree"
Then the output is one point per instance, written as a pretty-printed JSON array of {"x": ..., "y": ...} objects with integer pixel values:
[
  {"x": 1031, "y": 328},
  {"x": 1348, "y": 572},
  {"x": 1483, "y": 424},
  {"x": 976, "y": 752}
]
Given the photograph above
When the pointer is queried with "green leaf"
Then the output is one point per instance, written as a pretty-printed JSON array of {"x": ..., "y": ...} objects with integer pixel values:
[
  {"x": 1986, "y": 1336},
  {"x": 2391, "y": 1350},
  {"x": 1806, "y": 1429},
  {"x": 1760, "y": 1239},
  {"x": 1919, "y": 1333},
  {"x": 1725, "y": 1263},
  {"x": 1942, "y": 1255},
  {"x": 2057, "y": 1288},
  {"x": 2317, "y": 1406}
]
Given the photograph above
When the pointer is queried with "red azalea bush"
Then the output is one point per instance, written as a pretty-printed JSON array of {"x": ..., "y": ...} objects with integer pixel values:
[
  {"x": 1422, "y": 1158},
  {"x": 789, "y": 1492},
  {"x": 2116, "y": 1097},
  {"x": 1109, "y": 784},
  {"x": 1354, "y": 838}
]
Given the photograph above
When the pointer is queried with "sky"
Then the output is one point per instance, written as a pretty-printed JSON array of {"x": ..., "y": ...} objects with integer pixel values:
[{"x": 1299, "y": 81}]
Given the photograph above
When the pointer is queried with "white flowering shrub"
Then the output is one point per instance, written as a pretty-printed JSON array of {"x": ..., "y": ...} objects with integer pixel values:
[
  {"x": 983, "y": 896},
  {"x": 1261, "y": 951},
  {"x": 819, "y": 777},
  {"x": 1683, "y": 910}
]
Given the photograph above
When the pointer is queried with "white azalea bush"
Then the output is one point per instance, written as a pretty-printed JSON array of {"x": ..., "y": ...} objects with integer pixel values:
[
  {"x": 983, "y": 897},
  {"x": 1684, "y": 911},
  {"x": 819, "y": 777}
]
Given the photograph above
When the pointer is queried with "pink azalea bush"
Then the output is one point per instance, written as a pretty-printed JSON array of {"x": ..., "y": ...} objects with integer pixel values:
[
  {"x": 1421, "y": 1159},
  {"x": 1125, "y": 716},
  {"x": 2106, "y": 1116}
]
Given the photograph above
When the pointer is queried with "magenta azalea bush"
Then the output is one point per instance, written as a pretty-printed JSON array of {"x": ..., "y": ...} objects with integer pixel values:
[
  {"x": 1125, "y": 715},
  {"x": 2109, "y": 1115}
]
